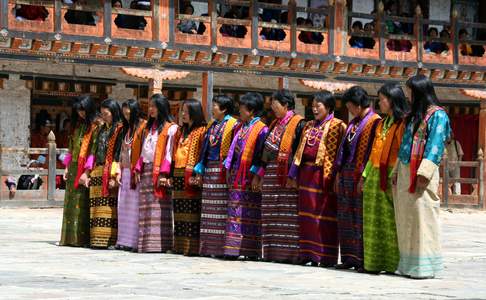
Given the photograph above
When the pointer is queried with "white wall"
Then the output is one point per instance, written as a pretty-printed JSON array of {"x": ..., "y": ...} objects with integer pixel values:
[
  {"x": 300, "y": 3},
  {"x": 365, "y": 7},
  {"x": 440, "y": 10}
]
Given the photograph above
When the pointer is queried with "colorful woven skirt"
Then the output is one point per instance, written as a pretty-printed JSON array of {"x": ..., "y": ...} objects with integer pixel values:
[
  {"x": 379, "y": 230},
  {"x": 187, "y": 215},
  {"x": 75, "y": 219},
  {"x": 418, "y": 226},
  {"x": 214, "y": 211},
  {"x": 243, "y": 227},
  {"x": 128, "y": 212},
  {"x": 317, "y": 218},
  {"x": 103, "y": 212},
  {"x": 155, "y": 226},
  {"x": 350, "y": 218},
  {"x": 280, "y": 219}
]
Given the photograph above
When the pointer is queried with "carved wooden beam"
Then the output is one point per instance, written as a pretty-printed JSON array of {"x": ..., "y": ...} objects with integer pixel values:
[{"x": 155, "y": 77}]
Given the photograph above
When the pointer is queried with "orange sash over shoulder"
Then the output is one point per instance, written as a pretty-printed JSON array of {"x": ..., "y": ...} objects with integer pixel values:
[
  {"x": 110, "y": 153},
  {"x": 285, "y": 148},
  {"x": 83, "y": 153},
  {"x": 247, "y": 155},
  {"x": 160, "y": 150}
]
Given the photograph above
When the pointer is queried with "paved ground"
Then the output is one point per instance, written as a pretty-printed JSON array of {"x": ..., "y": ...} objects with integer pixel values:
[{"x": 33, "y": 267}]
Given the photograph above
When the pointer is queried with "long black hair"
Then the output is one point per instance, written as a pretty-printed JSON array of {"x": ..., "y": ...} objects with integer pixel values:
[
  {"x": 114, "y": 108},
  {"x": 163, "y": 112},
  {"x": 423, "y": 96},
  {"x": 135, "y": 113},
  {"x": 196, "y": 114},
  {"x": 83, "y": 103},
  {"x": 395, "y": 95}
]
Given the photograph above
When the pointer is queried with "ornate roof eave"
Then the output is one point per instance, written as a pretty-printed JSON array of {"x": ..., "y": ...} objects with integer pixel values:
[
  {"x": 331, "y": 86},
  {"x": 475, "y": 93}
]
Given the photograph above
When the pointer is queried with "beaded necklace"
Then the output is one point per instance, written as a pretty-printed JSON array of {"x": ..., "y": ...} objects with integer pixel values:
[
  {"x": 215, "y": 134},
  {"x": 313, "y": 134}
]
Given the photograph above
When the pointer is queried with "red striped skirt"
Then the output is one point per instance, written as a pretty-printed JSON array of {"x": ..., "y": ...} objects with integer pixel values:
[{"x": 317, "y": 217}]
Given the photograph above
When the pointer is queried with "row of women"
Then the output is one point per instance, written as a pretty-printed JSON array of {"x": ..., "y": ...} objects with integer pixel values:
[{"x": 293, "y": 192}]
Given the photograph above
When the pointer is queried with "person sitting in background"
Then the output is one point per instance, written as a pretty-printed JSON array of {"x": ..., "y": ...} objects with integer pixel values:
[
  {"x": 11, "y": 184},
  {"x": 188, "y": 26},
  {"x": 402, "y": 45},
  {"x": 80, "y": 17},
  {"x": 304, "y": 36},
  {"x": 369, "y": 42},
  {"x": 237, "y": 31},
  {"x": 316, "y": 37},
  {"x": 202, "y": 28},
  {"x": 269, "y": 34},
  {"x": 39, "y": 139},
  {"x": 356, "y": 41},
  {"x": 434, "y": 46},
  {"x": 273, "y": 34},
  {"x": 142, "y": 4},
  {"x": 465, "y": 48},
  {"x": 129, "y": 21},
  {"x": 446, "y": 35},
  {"x": 31, "y": 12}
]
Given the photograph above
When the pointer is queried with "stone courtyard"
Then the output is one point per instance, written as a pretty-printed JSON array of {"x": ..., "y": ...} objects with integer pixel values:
[{"x": 33, "y": 267}]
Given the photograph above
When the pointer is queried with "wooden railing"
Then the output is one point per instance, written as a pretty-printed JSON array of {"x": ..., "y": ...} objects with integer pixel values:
[
  {"x": 47, "y": 191},
  {"x": 473, "y": 200},
  {"x": 161, "y": 31}
]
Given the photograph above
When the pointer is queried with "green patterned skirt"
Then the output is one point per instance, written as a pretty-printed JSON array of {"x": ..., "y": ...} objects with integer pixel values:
[
  {"x": 75, "y": 221},
  {"x": 379, "y": 229}
]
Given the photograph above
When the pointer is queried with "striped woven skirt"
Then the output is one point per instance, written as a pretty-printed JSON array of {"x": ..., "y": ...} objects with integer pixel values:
[
  {"x": 155, "y": 220},
  {"x": 187, "y": 214},
  {"x": 243, "y": 227},
  {"x": 350, "y": 218},
  {"x": 103, "y": 213},
  {"x": 128, "y": 212},
  {"x": 214, "y": 211},
  {"x": 317, "y": 217},
  {"x": 280, "y": 219}
]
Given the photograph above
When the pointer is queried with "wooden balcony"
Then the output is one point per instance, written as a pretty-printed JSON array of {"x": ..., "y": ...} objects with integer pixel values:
[{"x": 161, "y": 42}]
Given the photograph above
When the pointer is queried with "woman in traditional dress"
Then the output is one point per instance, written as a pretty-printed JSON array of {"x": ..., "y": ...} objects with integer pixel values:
[
  {"x": 75, "y": 222},
  {"x": 186, "y": 191},
  {"x": 243, "y": 228},
  {"x": 102, "y": 184},
  {"x": 311, "y": 172},
  {"x": 214, "y": 206},
  {"x": 128, "y": 194},
  {"x": 352, "y": 158},
  {"x": 379, "y": 230},
  {"x": 417, "y": 203},
  {"x": 280, "y": 223},
  {"x": 153, "y": 172}
]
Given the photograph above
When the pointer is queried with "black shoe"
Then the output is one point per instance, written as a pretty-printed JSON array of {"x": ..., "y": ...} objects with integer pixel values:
[
  {"x": 230, "y": 258},
  {"x": 326, "y": 265},
  {"x": 344, "y": 266}
]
